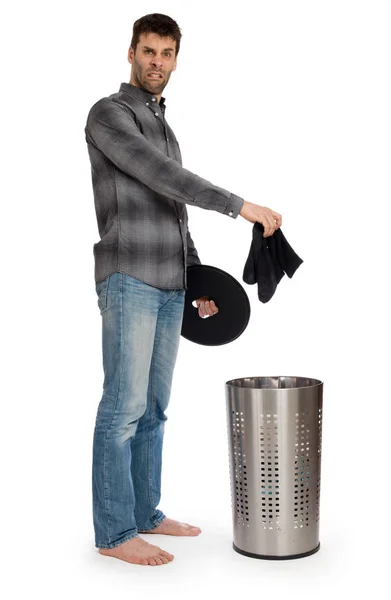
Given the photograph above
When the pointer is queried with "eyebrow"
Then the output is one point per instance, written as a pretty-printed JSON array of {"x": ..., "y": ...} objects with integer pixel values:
[{"x": 165, "y": 49}]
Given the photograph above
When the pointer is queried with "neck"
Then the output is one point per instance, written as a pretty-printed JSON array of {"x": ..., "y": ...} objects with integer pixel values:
[{"x": 135, "y": 83}]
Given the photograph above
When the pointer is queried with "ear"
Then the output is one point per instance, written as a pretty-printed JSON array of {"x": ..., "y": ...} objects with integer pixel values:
[{"x": 130, "y": 55}]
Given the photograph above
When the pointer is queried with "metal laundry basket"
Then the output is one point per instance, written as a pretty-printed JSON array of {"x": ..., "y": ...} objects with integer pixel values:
[{"x": 275, "y": 438}]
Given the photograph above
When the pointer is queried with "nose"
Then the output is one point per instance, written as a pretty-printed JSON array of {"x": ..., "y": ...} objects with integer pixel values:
[{"x": 157, "y": 63}]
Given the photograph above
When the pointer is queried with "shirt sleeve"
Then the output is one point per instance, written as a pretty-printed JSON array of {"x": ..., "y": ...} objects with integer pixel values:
[{"x": 111, "y": 128}]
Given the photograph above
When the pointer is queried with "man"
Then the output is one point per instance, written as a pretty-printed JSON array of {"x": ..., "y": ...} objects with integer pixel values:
[{"x": 140, "y": 192}]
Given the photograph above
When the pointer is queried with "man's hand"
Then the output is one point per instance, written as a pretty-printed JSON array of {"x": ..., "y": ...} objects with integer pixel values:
[
  {"x": 270, "y": 219},
  {"x": 206, "y": 307}
]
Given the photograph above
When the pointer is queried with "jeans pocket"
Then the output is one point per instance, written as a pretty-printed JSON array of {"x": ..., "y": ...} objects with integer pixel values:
[{"x": 102, "y": 288}]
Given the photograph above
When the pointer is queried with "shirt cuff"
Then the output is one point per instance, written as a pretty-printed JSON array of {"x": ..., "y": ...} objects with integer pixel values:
[{"x": 234, "y": 206}]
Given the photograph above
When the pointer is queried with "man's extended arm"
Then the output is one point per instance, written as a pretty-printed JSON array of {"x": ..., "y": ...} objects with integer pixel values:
[{"x": 111, "y": 128}]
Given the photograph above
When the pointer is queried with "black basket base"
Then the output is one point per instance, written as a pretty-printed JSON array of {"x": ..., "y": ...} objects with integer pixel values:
[{"x": 266, "y": 557}]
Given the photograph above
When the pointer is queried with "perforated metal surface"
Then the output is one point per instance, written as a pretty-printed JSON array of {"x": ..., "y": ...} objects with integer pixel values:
[
  {"x": 241, "y": 491},
  {"x": 269, "y": 471},
  {"x": 274, "y": 431}
]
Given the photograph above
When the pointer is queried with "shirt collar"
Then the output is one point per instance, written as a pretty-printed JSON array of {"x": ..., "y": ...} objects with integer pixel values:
[{"x": 141, "y": 94}]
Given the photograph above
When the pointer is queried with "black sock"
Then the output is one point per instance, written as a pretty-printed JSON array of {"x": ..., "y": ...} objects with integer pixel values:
[
  {"x": 266, "y": 277},
  {"x": 287, "y": 258},
  {"x": 259, "y": 266},
  {"x": 249, "y": 273},
  {"x": 278, "y": 271}
]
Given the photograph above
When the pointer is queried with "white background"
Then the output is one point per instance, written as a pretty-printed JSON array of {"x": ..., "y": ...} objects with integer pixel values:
[{"x": 294, "y": 99}]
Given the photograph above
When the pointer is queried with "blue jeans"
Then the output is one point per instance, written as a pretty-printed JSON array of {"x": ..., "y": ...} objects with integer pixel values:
[{"x": 141, "y": 327}]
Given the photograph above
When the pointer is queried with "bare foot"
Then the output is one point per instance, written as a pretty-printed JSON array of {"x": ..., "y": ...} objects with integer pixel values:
[
  {"x": 139, "y": 552},
  {"x": 170, "y": 527}
]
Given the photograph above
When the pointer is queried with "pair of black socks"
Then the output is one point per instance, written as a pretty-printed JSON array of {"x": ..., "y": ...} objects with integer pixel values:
[{"x": 268, "y": 260}]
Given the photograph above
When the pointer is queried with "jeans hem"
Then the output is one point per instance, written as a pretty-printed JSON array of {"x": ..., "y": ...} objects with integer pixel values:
[
  {"x": 155, "y": 524},
  {"x": 130, "y": 536}
]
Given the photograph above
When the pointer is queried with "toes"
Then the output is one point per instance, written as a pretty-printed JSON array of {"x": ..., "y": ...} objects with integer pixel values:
[
  {"x": 164, "y": 554},
  {"x": 192, "y": 528},
  {"x": 165, "y": 557},
  {"x": 152, "y": 562},
  {"x": 158, "y": 560}
]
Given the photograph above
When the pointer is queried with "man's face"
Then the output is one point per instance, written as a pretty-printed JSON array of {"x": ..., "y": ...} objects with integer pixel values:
[{"x": 153, "y": 62}]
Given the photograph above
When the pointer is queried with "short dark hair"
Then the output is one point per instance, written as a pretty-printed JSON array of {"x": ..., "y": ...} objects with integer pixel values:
[{"x": 156, "y": 23}]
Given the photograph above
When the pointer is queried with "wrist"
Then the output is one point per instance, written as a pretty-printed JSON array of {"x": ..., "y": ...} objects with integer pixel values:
[{"x": 243, "y": 207}]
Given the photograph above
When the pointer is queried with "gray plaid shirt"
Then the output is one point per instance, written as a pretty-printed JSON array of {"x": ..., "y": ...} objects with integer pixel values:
[{"x": 141, "y": 191}]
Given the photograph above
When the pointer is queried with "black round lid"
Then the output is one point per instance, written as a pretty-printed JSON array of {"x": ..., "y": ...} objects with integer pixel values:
[{"x": 230, "y": 298}]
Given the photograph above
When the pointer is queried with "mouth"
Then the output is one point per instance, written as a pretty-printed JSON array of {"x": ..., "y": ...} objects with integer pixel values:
[{"x": 155, "y": 76}]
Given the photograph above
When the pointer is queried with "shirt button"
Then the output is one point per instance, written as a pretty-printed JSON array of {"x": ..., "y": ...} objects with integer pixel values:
[
  {"x": 153, "y": 99},
  {"x": 180, "y": 220},
  {"x": 230, "y": 213},
  {"x": 147, "y": 103},
  {"x": 156, "y": 114}
]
